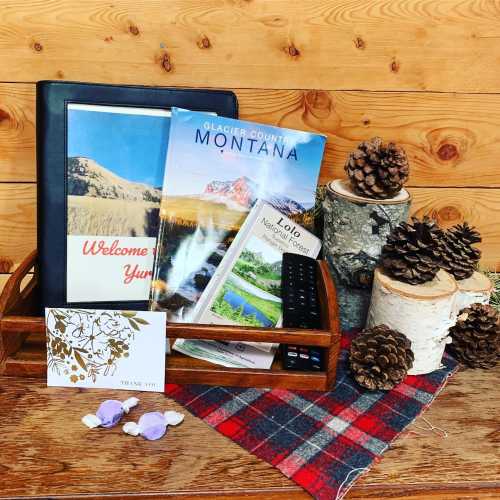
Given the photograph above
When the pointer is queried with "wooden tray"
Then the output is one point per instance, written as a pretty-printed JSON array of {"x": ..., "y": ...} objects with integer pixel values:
[{"x": 23, "y": 349}]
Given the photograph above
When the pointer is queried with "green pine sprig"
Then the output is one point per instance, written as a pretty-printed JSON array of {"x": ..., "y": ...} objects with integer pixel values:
[{"x": 495, "y": 294}]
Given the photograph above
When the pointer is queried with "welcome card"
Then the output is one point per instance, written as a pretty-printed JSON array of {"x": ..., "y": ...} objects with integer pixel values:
[
  {"x": 115, "y": 164},
  {"x": 106, "y": 349}
]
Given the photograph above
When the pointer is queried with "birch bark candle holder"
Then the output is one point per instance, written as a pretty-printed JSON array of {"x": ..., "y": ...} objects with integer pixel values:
[
  {"x": 424, "y": 313},
  {"x": 355, "y": 230}
]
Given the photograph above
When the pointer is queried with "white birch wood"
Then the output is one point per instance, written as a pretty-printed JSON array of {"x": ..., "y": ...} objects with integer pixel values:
[
  {"x": 476, "y": 289},
  {"x": 424, "y": 313}
]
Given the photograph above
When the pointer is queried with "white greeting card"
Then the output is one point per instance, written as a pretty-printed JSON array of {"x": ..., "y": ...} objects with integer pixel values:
[{"x": 106, "y": 349}]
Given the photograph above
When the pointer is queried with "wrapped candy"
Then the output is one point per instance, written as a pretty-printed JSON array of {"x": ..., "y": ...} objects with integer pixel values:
[
  {"x": 109, "y": 413},
  {"x": 153, "y": 425}
]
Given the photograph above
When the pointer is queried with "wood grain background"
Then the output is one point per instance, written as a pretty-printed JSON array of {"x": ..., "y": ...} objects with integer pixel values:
[{"x": 424, "y": 73}]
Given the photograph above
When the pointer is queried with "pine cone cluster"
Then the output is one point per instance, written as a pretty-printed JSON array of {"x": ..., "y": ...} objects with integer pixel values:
[
  {"x": 380, "y": 358},
  {"x": 411, "y": 253},
  {"x": 458, "y": 256},
  {"x": 377, "y": 170},
  {"x": 476, "y": 337}
]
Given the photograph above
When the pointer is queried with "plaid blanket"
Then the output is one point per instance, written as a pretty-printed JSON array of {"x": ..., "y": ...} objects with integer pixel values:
[{"x": 321, "y": 440}]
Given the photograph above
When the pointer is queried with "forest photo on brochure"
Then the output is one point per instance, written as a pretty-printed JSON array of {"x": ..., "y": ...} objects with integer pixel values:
[{"x": 251, "y": 294}]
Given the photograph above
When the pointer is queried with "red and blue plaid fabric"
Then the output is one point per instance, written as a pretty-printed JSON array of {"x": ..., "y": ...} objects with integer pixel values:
[{"x": 321, "y": 440}]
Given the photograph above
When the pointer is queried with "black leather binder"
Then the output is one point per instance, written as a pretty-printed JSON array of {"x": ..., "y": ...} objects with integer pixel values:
[{"x": 53, "y": 98}]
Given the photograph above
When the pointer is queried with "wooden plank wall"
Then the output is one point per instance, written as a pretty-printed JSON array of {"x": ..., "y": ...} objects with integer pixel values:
[{"x": 424, "y": 73}]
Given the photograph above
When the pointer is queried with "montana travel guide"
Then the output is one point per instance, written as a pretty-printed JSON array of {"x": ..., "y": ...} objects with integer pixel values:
[{"x": 216, "y": 170}]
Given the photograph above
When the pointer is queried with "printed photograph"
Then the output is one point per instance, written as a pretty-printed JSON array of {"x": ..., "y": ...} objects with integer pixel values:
[
  {"x": 116, "y": 161},
  {"x": 251, "y": 294}
]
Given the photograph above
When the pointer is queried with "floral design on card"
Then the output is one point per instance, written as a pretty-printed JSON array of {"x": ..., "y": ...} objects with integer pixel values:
[{"x": 87, "y": 346}]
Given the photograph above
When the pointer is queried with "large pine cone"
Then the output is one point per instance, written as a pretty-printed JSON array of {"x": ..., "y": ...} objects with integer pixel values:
[
  {"x": 380, "y": 358},
  {"x": 377, "y": 170},
  {"x": 412, "y": 251},
  {"x": 476, "y": 336},
  {"x": 458, "y": 256}
]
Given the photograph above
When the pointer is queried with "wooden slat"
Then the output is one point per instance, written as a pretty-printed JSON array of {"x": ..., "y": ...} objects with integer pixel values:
[
  {"x": 17, "y": 223},
  {"x": 5, "y": 277},
  {"x": 17, "y": 132},
  {"x": 480, "y": 207},
  {"x": 452, "y": 140},
  {"x": 33, "y": 363},
  {"x": 443, "y": 45},
  {"x": 10, "y": 325}
]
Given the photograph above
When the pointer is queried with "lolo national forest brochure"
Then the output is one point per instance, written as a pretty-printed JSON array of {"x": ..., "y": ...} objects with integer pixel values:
[{"x": 216, "y": 170}]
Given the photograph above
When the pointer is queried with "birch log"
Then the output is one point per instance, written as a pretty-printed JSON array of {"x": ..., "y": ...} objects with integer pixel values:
[
  {"x": 477, "y": 288},
  {"x": 424, "y": 313},
  {"x": 355, "y": 229}
]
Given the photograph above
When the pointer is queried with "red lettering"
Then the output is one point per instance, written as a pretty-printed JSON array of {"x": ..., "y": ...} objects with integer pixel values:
[
  {"x": 132, "y": 273},
  {"x": 91, "y": 250},
  {"x": 99, "y": 247}
]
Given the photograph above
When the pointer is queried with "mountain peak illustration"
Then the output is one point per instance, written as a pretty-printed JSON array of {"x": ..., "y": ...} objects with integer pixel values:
[
  {"x": 244, "y": 192},
  {"x": 87, "y": 178}
]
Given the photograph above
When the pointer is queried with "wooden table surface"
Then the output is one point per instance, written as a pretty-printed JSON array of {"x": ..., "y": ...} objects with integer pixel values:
[{"x": 46, "y": 451}]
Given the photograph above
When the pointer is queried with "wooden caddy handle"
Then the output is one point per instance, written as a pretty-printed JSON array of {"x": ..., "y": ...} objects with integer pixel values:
[{"x": 12, "y": 295}]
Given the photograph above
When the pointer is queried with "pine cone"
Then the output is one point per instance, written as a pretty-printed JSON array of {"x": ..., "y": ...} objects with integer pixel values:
[
  {"x": 380, "y": 358},
  {"x": 476, "y": 336},
  {"x": 458, "y": 256},
  {"x": 377, "y": 170},
  {"x": 412, "y": 251}
]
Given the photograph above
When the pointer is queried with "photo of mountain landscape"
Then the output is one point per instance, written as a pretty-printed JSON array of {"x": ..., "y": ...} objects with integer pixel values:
[
  {"x": 102, "y": 204},
  {"x": 251, "y": 294},
  {"x": 115, "y": 165}
]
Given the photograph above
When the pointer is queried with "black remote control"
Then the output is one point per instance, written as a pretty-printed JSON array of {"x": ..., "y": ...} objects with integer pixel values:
[{"x": 300, "y": 310}]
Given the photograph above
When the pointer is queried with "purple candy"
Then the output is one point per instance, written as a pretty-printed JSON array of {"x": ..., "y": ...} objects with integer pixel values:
[
  {"x": 110, "y": 412},
  {"x": 152, "y": 425}
]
